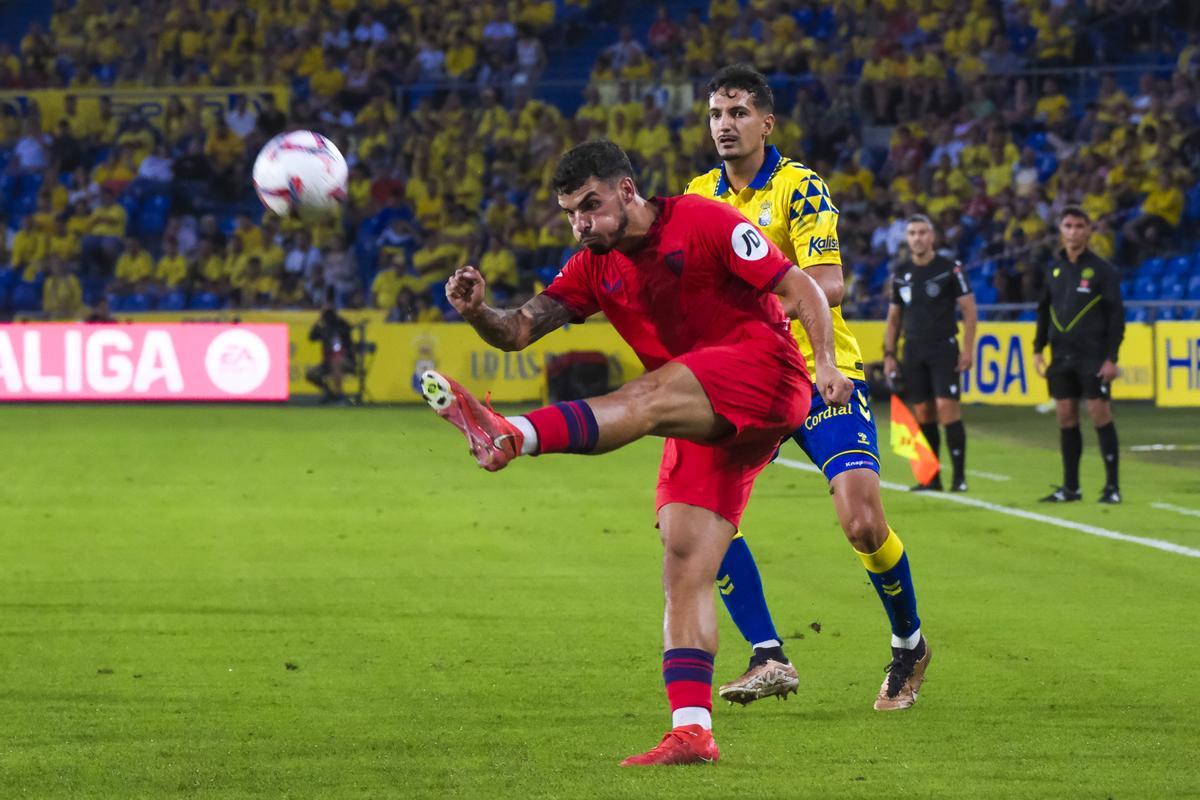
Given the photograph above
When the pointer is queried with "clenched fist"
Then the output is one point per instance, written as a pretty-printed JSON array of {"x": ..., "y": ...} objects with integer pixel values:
[
  {"x": 464, "y": 290},
  {"x": 834, "y": 387}
]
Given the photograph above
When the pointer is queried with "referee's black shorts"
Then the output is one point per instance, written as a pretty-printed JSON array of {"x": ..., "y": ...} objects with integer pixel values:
[
  {"x": 1071, "y": 379},
  {"x": 930, "y": 370}
]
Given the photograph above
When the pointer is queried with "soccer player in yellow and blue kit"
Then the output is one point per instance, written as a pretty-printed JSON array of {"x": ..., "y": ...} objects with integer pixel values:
[{"x": 792, "y": 206}]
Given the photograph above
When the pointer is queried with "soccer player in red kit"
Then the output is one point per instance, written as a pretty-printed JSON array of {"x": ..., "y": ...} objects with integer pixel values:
[{"x": 704, "y": 300}]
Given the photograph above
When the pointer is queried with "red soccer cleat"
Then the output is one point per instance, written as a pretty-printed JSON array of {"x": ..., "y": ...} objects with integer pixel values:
[
  {"x": 494, "y": 440},
  {"x": 687, "y": 744}
]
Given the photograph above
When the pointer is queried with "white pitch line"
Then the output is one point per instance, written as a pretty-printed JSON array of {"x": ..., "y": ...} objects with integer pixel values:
[
  {"x": 1191, "y": 512},
  {"x": 988, "y": 476},
  {"x": 1091, "y": 530},
  {"x": 1157, "y": 448}
]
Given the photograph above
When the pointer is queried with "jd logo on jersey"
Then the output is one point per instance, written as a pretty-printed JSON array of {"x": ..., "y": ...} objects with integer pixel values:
[{"x": 819, "y": 245}]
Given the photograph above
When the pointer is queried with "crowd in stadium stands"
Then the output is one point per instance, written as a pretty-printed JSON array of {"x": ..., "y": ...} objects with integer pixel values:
[{"x": 901, "y": 106}]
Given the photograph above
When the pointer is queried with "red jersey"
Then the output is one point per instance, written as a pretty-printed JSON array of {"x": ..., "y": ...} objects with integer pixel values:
[{"x": 703, "y": 276}]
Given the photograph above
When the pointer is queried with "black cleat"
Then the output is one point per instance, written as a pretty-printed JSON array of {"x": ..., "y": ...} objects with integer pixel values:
[
  {"x": 1063, "y": 495},
  {"x": 959, "y": 485},
  {"x": 934, "y": 485},
  {"x": 1111, "y": 495}
]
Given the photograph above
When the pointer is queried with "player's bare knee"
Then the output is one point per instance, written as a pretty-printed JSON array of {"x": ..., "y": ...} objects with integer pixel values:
[{"x": 865, "y": 530}]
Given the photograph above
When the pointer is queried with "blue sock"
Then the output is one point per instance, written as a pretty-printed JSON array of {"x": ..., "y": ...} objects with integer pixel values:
[
  {"x": 742, "y": 590},
  {"x": 892, "y": 579}
]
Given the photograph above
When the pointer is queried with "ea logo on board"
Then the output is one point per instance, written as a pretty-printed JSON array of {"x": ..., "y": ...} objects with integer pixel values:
[
  {"x": 748, "y": 242},
  {"x": 237, "y": 361}
]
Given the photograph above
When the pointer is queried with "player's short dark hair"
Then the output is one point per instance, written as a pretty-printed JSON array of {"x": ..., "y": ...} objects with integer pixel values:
[
  {"x": 599, "y": 158},
  {"x": 1077, "y": 212},
  {"x": 922, "y": 219},
  {"x": 748, "y": 79}
]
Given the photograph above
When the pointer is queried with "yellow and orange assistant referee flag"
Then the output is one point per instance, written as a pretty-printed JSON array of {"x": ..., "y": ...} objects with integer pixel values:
[{"x": 910, "y": 443}]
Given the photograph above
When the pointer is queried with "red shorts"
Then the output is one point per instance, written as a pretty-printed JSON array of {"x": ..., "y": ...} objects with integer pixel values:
[{"x": 761, "y": 387}]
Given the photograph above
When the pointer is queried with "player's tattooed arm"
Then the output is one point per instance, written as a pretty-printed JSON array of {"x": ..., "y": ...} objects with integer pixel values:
[
  {"x": 519, "y": 328},
  {"x": 505, "y": 329}
]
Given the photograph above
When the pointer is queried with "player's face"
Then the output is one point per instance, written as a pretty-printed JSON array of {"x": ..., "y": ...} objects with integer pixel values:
[
  {"x": 737, "y": 127},
  {"x": 1074, "y": 232},
  {"x": 919, "y": 236},
  {"x": 597, "y": 212}
]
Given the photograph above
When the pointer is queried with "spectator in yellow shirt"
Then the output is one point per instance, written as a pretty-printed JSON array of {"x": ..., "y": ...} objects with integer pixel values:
[
  {"x": 328, "y": 80},
  {"x": 1053, "y": 105},
  {"x": 225, "y": 151},
  {"x": 62, "y": 296},
  {"x": 499, "y": 265},
  {"x": 389, "y": 283},
  {"x": 105, "y": 232},
  {"x": 1160, "y": 215},
  {"x": 63, "y": 244},
  {"x": 653, "y": 136},
  {"x": 134, "y": 267},
  {"x": 29, "y": 248},
  {"x": 171, "y": 271}
]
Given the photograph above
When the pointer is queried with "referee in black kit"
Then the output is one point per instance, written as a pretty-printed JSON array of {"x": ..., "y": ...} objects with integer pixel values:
[
  {"x": 1082, "y": 318},
  {"x": 927, "y": 290}
]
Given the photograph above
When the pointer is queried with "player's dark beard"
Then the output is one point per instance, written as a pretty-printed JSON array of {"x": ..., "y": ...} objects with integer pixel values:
[{"x": 602, "y": 248}]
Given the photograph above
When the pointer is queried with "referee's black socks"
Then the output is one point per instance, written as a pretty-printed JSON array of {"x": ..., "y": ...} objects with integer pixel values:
[
  {"x": 934, "y": 437},
  {"x": 956, "y": 440},
  {"x": 1071, "y": 442},
  {"x": 1107, "y": 435}
]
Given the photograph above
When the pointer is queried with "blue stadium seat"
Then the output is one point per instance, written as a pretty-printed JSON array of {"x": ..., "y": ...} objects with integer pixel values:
[
  {"x": 1192, "y": 207},
  {"x": 986, "y": 295},
  {"x": 139, "y": 302},
  {"x": 1127, "y": 287},
  {"x": 1137, "y": 315},
  {"x": 175, "y": 300},
  {"x": 1172, "y": 288},
  {"x": 1179, "y": 266},
  {"x": 131, "y": 206},
  {"x": 1027, "y": 316},
  {"x": 987, "y": 270},
  {"x": 152, "y": 220},
  {"x": 31, "y": 183},
  {"x": 27, "y": 296},
  {"x": 1152, "y": 267},
  {"x": 1145, "y": 288},
  {"x": 547, "y": 274},
  {"x": 1046, "y": 166},
  {"x": 205, "y": 301},
  {"x": 1193, "y": 287}
]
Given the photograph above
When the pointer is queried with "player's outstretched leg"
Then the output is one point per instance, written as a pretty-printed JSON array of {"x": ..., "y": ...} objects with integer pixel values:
[
  {"x": 860, "y": 511},
  {"x": 666, "y": 402},
  {"x": 694, "y": 541},
  {"x": 770, "y": 672}
]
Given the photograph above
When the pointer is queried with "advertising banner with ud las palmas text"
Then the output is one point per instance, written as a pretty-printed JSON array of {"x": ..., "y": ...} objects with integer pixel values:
[
  {"x": 1004, "y": 373},
  {"x": 143, "y": 362}
]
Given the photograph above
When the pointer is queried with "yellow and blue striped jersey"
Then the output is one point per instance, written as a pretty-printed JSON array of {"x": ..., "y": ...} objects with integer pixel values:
[{"x": 792, "y": 206}]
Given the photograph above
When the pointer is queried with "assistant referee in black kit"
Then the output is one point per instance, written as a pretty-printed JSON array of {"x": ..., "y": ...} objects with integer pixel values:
[
  {"x": 1082, "y": 318},
  {"x": 927, "y": 292}
]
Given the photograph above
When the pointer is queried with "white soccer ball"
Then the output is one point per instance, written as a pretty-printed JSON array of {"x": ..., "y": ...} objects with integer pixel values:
[{"x": 300, "y": 173}]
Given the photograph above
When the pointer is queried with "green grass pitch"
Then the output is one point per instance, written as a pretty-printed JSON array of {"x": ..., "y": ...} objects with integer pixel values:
[{"x": 336, "y": 603}]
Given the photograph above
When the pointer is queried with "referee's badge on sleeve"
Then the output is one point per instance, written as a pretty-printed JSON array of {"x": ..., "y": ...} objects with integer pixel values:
[{"x": 906, "y": 294}]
